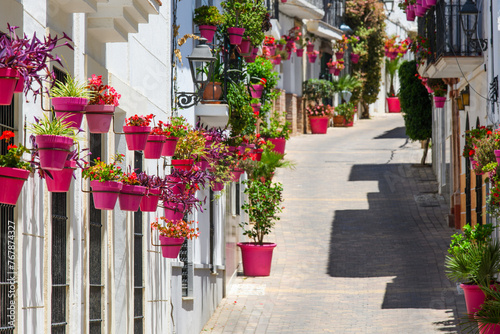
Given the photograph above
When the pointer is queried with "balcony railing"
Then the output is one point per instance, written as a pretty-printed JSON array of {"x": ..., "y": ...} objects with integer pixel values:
[
  {"x": 334, "y": 12},
  {"x": 441, "y": 26}
]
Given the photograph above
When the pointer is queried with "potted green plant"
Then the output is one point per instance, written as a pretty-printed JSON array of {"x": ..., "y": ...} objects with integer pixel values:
[
  {"x": 340, "y": 47},
  {"x": 344, "y": 114},
  {"x": 207, "y": 18},
  {"x": 487, "y": 318},
  {"x": 189, "y": 148},
  {"x": 276, "y": 130},
  {"x": 263, "y": 204},
  {"x": 345, "y": 85},
  {"x": 354, "y": 41},
  {"x": 69, "y": 99},
  {"x": 131, "y": 193},
  {"x": 440, "y": 89},
  {"x": 315, "y": 90},
  {"x": 101, "y": 107},
  {"x": 233, "y": 10},
  {"x": 265, "y": 167},
  {"x": 177, "y": 127},
  {"x": 391, "y": 67},
  {"x": 319, "y": 115},
  {"x": 213, "y": 90},
  {"x": 14, "y": 171},
  {"x": 241, "y": 116},
  {"x": 253, "y": 21},
  {"x": 137, "y": 131},
  {"x": 173, "y": 234}
]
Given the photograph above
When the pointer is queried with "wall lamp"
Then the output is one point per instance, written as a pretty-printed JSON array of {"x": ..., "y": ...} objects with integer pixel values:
[{"x": 468, "y": 16}]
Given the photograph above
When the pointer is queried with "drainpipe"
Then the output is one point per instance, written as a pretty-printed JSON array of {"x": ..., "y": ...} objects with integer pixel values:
[{"x": 212, "y": 234}]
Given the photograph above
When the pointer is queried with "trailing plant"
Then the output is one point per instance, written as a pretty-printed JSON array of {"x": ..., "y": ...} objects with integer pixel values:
[
  {"x": 263, "y": 68},
  {"x": 70, "y": 87},
  {"x": 207, "y": 15},
  {"x": 176, "y": 229},
  {"x": 473, "y": 135},
  {"x": 341, "y": 44},
  {"x": 276, "y": 127},
  {"x": 13, "y": 157},
  {"x": 101, "y": 171},
  {"x": 101, "y": 94},
  {"x": 242, "y": 119}
]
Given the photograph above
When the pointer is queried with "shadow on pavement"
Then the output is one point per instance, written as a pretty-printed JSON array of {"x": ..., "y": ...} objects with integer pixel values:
[
  {"x": 396, "y": 237},
  {"x": 396, "y": 133}
]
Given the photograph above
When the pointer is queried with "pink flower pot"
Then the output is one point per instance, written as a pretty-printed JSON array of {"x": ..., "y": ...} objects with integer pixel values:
[
  {"x": 430, "y": 2},
  {"x": 279, "y": 144},
  {"x": 258, "y": 153},
  {"x": 393, "y": 104},
  {"x": 276, "y": 61},
  {"x": 339, "y": 55},
  {"x": 61, "y": 179},
  {"x": 175, "y": 185},
  {"x": 474, "y": 298},
  {"x": 319, "y": 124},
  {"x": 19, "y": 85},
  {"x": 235, "y": 35},
  {"x": 429, "y": 89},
  {"x": 336, "y": 72},
  {"x": 256, "y": 107},
  {"x": 354, "y": 58},
  {"x": 149, "y": 202},
  {"x": 99, "y": 117},
  {"x": 8, "y": 81},
  {"x": 300, "y": 52},
  {"x": 53, "y": 151},
  {"x": 487, "y": 328},
  {"x": 419, "y": 10},
  {"x": 280, "y": 46},
  {"x": 130, "y": 197},
  {"x": 207, "y": 32},
  {"x": 439, "y": 101},
  {"x": 154, "y": 146},
  {"x": 12, "y": 179},
  {"x": 105, "y": 194},
  {"x": 169, "y": 146},
  {"x": 183, "y": 164},
  {"x": 236, "y": 173},
  {"x": 310, "y": 47},
  {"x": 256, "y": 91},
  {"x": 170, "y": 247},
  {"x": 136, "y": 137},
  {"x": 174, "y": 211},
  {"x": 218, "y": 186},
  {"x": 250, "y": 59},
  {"x": 497, "y": 156},
  {"x": 203, "y": 164},
  {"x": 410, "y": 13},
  {"x": 255, "y": 51},
  {"x": 312, "y": 58},
  {"x": 331, "y": 70},
  {"x": 245, "y": 45},
  {"x": 70, "y": 107},
  {"x": 256, "y": 259}
]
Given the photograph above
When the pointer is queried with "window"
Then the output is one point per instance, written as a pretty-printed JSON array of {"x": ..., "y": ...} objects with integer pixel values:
[{"x": 138, "y": 257}]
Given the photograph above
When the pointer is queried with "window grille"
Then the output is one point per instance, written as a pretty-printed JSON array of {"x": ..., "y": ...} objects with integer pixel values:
[
  {"x": 479, "y": 192},
  {"x": 468, "y": 210},
  {"x": 184, "y": 257},
  {"x": 95, "y": 253},
  {"x": 138, "y": 260},
  {"x": 59, "y": 283}
]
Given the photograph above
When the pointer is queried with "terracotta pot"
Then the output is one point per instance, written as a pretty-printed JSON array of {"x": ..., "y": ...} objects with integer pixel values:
[{"x": 212, "y": 92}]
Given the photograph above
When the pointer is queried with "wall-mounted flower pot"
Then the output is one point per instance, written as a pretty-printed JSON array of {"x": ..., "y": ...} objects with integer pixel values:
[
  {"x": 217, "y": 186},
  {"x": 319, "y": 124},
  {"x": 149, "y": 202},
  {"x": 61, "y": 179},
  {"x": 393, "y": 104},
  {"x": 497, "y": 155},
  {"x": 280, "y": 47},
  {"x": 203, "y": 164},
  {"x": 236, "y": 173},
  {"x": 53, "y": 151},
  {"x": 99, "y": 117},
  {"x": 169, "y": 146},
  {"x": 410, "y": 13},
  {"x": 339, "y": 55},
  {"x": 310, "y": 47},
  {"x": 19, "y": 85},
  {"x": 250, "y": 59},
  {"x": 354, "y": 58},
  {"x": 439, "y": 101},
  {"x": 70, "y": 107},
  {"x": 175, "y": 185},
  {"x": 136, "y": 137},
  {"x": 430, "y": 3},
  {"x": 276, "y": 60},
  {"x": 245, "y": 46},
  {"x": 255, "y": 51},
  {"x": 154, "y": 146},
  {"x": 336, "y": 72},
  {"x": 130, "y": 197},
  {"x": 12, "y": 180},
  {"x": 258, "y": 153},
  {"x": 256, "y": 258},
  {"x": 256, "y": 107},
  {"x": 170, "y": 247},
  {"x": 300, "y": 52},
  {"x": 256, "y": 91},
  {"x": 272, "y": 50},
  {"x": 235, "y": 35},
  {"x": 331, "y": 70},
  {"x": 207, "y": 32},
  {"x": 173, "y": 211},
  {"x": 8, "y": 81},
  {"x": 105, "y": 194},
  {"x": 312, "y": 58},
  {"x": 279, "y": 144},
  {"x": 183, "y": 164},
  {"x": 212, "y": 92}
]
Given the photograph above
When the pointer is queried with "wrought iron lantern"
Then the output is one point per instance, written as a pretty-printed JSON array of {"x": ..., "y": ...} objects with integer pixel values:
[
  {"x": 460, "y": 103},
  {"x": 201, "y": 63},
  {"x": 468, "y": 17},
  {"x": 389, "y": 5},
  {"x": 466, "y": 97}
]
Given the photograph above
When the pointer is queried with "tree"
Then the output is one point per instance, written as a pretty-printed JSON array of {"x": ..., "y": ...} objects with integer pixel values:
[{"x": 416, "y": 104}]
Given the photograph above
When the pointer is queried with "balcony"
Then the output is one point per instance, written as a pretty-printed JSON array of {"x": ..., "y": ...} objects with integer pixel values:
[
  {"x": 451, "y": 55},
  {"x": 303, "y": 9},
  {"x": 77, "y": 6}
]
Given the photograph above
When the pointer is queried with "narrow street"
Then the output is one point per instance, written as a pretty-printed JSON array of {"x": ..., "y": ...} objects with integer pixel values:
[{"x": 361, "y": 243}]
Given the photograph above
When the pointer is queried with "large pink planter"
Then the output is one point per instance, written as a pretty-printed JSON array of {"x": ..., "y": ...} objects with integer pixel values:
[
  {"x": 207, "y": 32},
  {"x": 8, "y": 81},
  {"x": 130, "y": 197},
  {"x": 136, "y": 137},
  {"x": 154, "y": 146},
  {"x": 169, "y": 146},
  {"x": 439, "y": 101},
  {"x": 174, "y": 211},
  {"x": 279, "y": 144},
  {"x": 61, "y": 179},
  {"x": 319, "y": 124},
  {"x": 99, "y": 117},
  {"x": 53, "y": 151},
  {"x": 183, "y": 164},
  {"x": 12, "y": 179},
  {"x": 485, "y": 328},
  {"x": 170, "y": 247},
  {"x": 70, "y": 107},
  {"x": 149, "y": 202},
  {"x": 474, "y": 298},
  {"x": 393, "y": 104},
  {"x": 256, "y": 259},
  {"x": 256, "y": 91},
  {"x": 105, "y": 194},
  {"x": 235, "y": 35}
]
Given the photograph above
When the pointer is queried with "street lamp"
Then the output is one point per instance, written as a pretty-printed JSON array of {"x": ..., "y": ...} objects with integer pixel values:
[
  {"x": 346, "y": 29},
  {"x": 460, "y": 103},
  {"x": 389, "y": 5},
  {"x": 201, "y": 63},
  {"x": 466, "y": 97},
  {"x": 468, "y": 18}
]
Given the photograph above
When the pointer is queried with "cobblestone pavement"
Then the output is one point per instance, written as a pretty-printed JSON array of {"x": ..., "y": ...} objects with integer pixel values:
[{"x": 361, "y": 243}]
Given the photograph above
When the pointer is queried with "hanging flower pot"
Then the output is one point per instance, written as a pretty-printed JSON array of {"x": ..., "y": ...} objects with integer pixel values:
[
  {"x": 53, "y": 151},
  {"x": 250, "y": 59},
  {"x": 71, "y": 107},
  {"x": 280, "y": 47},
  {"x": 312, "y": 57},
  {"x": 99, "y": 117},
  {"x": 336, "y": 72},
  {"x": 217, "y": 186},
  {"x": 12, "y": 180},
  {"x": 276, "y": 60},
  {"x": 130, "y": 197},
  {"x": 256, "y": 258},
  {"x": 154, "y": 146},
  {"x": 497, "y": 155},
  {"x": 245, "y": 45},
  {"x": 339, "y": 55},
  {"x": 300, "y": 52},
  {"x": 429, "y": 89},
  {"x": 279, "y": 144},
  {"x": 170, "y": 247},
  {"x": 393, "y": 104},
  {"x": 319, "y": 124},
  {"x": 256, "y": 91},
  {"x": 183, "y": 164},
  {"x": 203, "y": 164},
  {"x": 149, "y": 202},
  {"x": 258, "y": 153},
  {"x": 236, "y": 173},
  {"x": 61, "y": 179},
  {"x": 310, "y": 47},
  {"x": 20, "y": 84},
  {"x": 8, "y": 81},
  {"x": 235, "y": 35},
  {"x": 175, "y": 185},
  {"x": 410, "y": 13},
  {"x": 174, "y": 211},
  {"x": 272, "y": 50},
  {"x": 207, "y": 31},
  {"x": 439, "y": 101},
  {"x": 255, "y": 51},
  {"x": 136, "y": 137},
  {"x": 430, "y": 3},
  {"x": 169, "y": 146},
  {"x": 419, "y": 10},
  {"x": 354, "y": 58},
  {"x": 256, "y": 107},
  {"x": 105, "y": 194},
  {"x": 331, "y": 70}
]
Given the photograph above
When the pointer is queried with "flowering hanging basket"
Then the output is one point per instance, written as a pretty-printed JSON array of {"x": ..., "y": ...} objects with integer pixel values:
[
  {"x": 154, "y": 146},
  {"x": 235, "y": 35},
  {"x": 170, "y": 247},
  {"x": 149, "y": 202},
  {"x": 53, "y": 151},
  {"x": 169, "y": 146},
  {"x": 130, "y": 197},
  {"x": 310, "y": 47},
  {"x": 217, "y": 186},
  {"x": 175, "y": 185},
  {"x": 8, "y": 81},
  {"x": 312, "y": 57},
  {"x": 61, "y": 179},
  {"x": 439, "y": 101},
  {"x": 410, "y": 13},
  {"x": 72, "y": 108},
  {"x": 12, "y": 180},
  {"x": 136, "y": 137},
  {"x": 236, "y": 173},
  {"x": 99, "y": 117},
  {"x": 207, "y": 31},
  {"x": 105, "y": 194}
]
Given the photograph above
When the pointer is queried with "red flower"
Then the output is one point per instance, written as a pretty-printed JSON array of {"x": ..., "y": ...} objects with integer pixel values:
[
  {"x": 7, "y": 135},
  {"x": 11, "y": 146}
]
